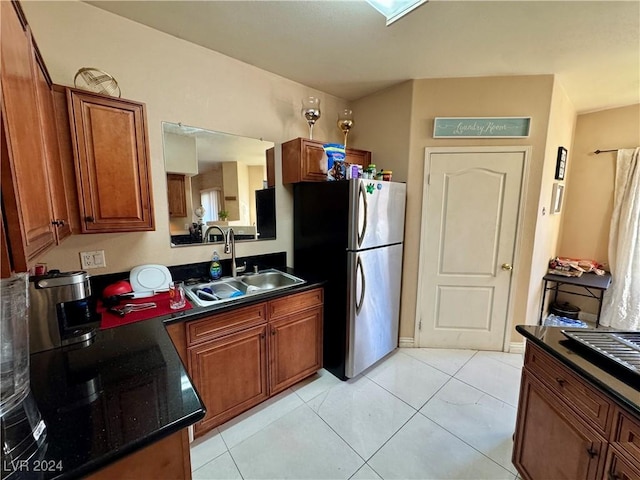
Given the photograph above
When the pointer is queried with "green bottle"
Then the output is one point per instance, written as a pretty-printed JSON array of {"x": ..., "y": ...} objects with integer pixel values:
[{"x": 215, "y": 269}]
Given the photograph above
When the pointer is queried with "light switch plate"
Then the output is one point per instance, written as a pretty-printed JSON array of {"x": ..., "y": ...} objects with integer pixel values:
[{"x": 93, "y": 259}]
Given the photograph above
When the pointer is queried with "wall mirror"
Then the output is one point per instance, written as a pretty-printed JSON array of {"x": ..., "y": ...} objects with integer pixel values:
[{"x": 216, "y": 178}]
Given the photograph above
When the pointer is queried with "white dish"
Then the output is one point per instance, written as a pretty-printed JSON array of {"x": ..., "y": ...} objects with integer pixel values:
[{"x": 149, "y": 278}]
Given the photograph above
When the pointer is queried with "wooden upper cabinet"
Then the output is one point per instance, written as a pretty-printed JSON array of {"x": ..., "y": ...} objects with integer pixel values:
[
  {"x": 61, "y": 221},
  {"x": 304, "y": 160},
  {"x": 271, "y": 167},
  {"x": 65, "y": 147},
  {"x": 176, "y": 191},
  {"x": 26, "y": 195},
  {"x": 112, "y": 163}
]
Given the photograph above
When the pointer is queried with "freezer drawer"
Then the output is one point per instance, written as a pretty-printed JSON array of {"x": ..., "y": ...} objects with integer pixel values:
[{"x": 373, "y": 306}]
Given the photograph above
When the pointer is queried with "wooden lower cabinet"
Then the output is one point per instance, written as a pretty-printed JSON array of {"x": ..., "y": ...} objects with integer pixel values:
[
  {"x": 241, "y": 357},
  {"x": 551, "y": 441},
  {"x": 295, "y": 348},
  {"x": 230, "y": 373},
  {"x": 621, "y": 467},
  {"x": 168, "y": 459},
  {"x": 567, "y": 428}
]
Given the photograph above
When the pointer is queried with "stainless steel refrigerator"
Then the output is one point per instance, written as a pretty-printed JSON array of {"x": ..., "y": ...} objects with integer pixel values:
[{"x": 350, "y": 235}]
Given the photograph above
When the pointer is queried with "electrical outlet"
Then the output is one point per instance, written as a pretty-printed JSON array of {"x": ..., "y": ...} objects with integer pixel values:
[{"x": 93, "y": 259}]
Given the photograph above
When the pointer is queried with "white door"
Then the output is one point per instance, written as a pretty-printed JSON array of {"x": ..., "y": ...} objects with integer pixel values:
[{"x": 470, "y": 216}]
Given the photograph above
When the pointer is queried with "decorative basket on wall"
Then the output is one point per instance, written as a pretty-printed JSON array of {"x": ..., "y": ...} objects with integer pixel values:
[{"x": 97, "y": 81}]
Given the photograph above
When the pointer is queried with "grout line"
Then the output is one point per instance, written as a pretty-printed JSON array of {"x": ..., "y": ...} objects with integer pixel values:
[
  {"x": 465, "y": 442},
  {"x": 440, "y": 370}
]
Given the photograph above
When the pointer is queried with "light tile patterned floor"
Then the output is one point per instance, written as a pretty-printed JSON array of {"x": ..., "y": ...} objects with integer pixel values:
[{"x": 418, "y": 414}]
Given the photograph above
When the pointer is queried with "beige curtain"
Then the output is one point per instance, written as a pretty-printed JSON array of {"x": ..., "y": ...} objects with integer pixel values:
[{"x": 621, "y": 308}]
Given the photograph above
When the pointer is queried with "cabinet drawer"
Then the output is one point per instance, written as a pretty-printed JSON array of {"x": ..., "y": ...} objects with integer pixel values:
[
  {"x": 621, "y": 467},
  {"x": 225, "y": 323},
  {"x": 626, "y": 434},
  {"x": 295, "y": 303},
  {"x": 583, "y": 399}
]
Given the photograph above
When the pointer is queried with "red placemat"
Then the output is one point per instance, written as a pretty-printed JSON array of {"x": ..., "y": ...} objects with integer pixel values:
[{"x": 111, "y": 320}]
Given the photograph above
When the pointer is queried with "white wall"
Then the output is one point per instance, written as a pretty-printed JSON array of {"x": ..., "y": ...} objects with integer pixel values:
[{"x": 179, "y": 82}]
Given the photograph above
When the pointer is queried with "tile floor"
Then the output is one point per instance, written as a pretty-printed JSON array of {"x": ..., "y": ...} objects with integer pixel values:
[{"x": 418, "y": 414}]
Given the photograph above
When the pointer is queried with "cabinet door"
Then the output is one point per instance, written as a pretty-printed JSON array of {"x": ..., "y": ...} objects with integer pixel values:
[
  {"x": 271, "y": 167},
  {"x": 551, "y": 441},
  {"x": 52, "y": 150},
  {"x": 176, "y": 192},
  {"x": 620, "y": 467},
  {"x": 26, "y": 197},
  {"x": 295, "y": 348},
  {"x": 230, "y": 374},
  {"x": 112, "y": 163},
  {"x": 65, "y": 147},
  {"x": 358, "y": 157},
  {"x": 304, "y": 160}
]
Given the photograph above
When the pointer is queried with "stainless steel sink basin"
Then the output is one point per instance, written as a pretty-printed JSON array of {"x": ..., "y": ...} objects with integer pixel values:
[
  {"x": 270, "y": 280},
  {"x": 213, "y": 293}
]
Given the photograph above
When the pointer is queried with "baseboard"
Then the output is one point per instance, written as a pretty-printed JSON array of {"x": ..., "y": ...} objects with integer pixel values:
[
  {"x": 516, "y": 347},
  {"x": 406, "y": 342}
]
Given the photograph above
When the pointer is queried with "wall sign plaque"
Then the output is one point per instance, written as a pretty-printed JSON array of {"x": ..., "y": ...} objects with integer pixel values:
[{"x": 481, "y": 127}]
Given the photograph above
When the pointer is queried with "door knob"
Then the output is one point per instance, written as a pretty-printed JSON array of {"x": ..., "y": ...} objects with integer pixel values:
[{"x": 507, "y": 266}]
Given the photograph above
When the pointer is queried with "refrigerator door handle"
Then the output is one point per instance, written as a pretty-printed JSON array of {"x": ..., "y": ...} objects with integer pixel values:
[
  {"x": 360, "y": 302},
  {"x": 362, "y": 193}
]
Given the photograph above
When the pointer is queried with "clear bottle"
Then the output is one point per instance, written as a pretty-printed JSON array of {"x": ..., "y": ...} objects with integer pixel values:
[{"x": 215, "y": 269}]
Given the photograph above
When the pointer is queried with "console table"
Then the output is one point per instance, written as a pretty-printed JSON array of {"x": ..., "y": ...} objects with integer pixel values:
[{"x": 594, "y": 286}]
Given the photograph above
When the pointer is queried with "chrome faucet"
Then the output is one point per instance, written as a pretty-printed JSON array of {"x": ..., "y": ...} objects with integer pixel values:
[
  {"x": 206, "y": 235},
  {"x": 230, "y": 247}
]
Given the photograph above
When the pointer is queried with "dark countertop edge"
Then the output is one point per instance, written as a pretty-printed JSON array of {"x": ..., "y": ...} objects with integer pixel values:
[
  {"x": 196, "y": 312},
  {"x": 114, "y": 456},
  {"x": 598, "y": 383}
]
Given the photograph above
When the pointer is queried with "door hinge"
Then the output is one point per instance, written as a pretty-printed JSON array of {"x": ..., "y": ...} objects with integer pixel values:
[
  {"x": 420, "y": 325},
  {"x": 428, "y": 179}
]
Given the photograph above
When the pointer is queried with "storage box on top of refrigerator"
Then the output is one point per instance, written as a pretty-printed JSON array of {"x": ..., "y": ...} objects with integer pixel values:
[{"x": 350, "y": 234}]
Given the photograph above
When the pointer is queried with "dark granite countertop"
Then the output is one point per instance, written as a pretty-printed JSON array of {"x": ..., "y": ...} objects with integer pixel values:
[
  {"x": 619, "y": 384},
  {"x": 125, "y": 391}
]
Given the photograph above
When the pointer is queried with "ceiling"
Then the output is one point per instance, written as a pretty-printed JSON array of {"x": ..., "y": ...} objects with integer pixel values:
[{"x": 343, "y": 47}]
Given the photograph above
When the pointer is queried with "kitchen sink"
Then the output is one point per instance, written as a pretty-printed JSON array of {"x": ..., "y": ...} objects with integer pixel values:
[
  {"x": 270, "y": 280},
  {"x": 212, "y": 293}
]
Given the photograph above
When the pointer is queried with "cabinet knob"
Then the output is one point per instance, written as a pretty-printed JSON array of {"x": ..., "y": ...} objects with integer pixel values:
[
  {"x": 262, "y": 336},
  {"x": 561, "y": 381},
  {"x": 57, "y": 223},
  {"x": 89, "y": 219},
  {"x": 273, "y": 332},
  {"x": 592, "y": 453}
]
